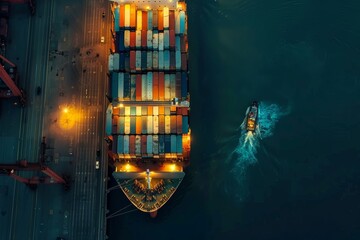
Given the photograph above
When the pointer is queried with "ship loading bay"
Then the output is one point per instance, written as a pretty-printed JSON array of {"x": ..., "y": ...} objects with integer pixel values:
[{"x": 57, "y": 93}]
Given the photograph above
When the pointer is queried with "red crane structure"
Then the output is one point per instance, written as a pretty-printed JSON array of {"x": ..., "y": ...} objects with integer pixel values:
[
  {"x": 24, "y": 165},
  {"x": 14, "y": 91}
]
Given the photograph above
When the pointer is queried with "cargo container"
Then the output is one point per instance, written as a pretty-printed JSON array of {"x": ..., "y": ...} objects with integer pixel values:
[
  {"x": 120, "y": 92},
  {"x": 122, "y": 62},
  {"x": 167, "y": 124},
  {"x": 183, "y": 43},
  {"x": 138, "y": 39},
  {"x": 133, "y": 16},
  {"x": 177, "y": 23},
  {"x": 138, "y": 60},
  {"x": 155, "y": 60},
  {"x": 144, "y": 124},
  {"x": 172, "y": 39},
  {"x": 173, "y": 143},
  {"x": 161, "y": 41},
  {"x": 172, "y": 20},
  {"x": 150, "y": 20},
  {"x": 149, "y": 39},
  {"x": 150, "y": 111},
  {"x": 111, "y": 62},
  {"x": 178, "y": 85},
  {"x": 155, "y": 86},
  {"x": 150, "y": 126},
  {"x": 155, "y": 19},
  {"x": 127, "y": 86},
  {"x": 132, "y": 125},
  {"x": 155, "y": 110},
  {"x": 132, "y": 144},
  {"x": 121, "y": 125},
  {"x": 156, "y": 124},
  {"x": 138, "y": 110},
  {"x": 120, "y": 146},
  {"x": 156, "y": 144},
  {"x": 155, "y": 40},
  {"x": 138, "y": 144},
  {"x": 122, "y": 16},
  {"x": 182, "y": 22},
  {"x": 178, "y": 124},
  {"x": 166, "y": 60},
  {"x": 116, "y": 61},
  {"x": 161, "y": 144},
  {"x": 127, "y": 39},
  {"x": 172, "y": 86},
  {"x": 149, "y": 61},
  {"x": 144, "y": 145},
  {"x": 132, "y": 60},
  {"x": 138, "y": 87},
  {"x": 183, "y": 62},
  {"x": 161, "y": 124},
  {"x": 138, "y": 125},
  {"x": 139, "y": 20},
  {"x": 126, "y": 144},
  {"x": 161, "y": 60},
  {"x": 116, "y": 19},
  {"x": 167, "y": 110},
  {"x": 160, "y": 20},
  {"x": 185, "y": 124},
  {"x": 178, "y": 60},
  {"x": 143, "y": 60},
  {"x": 166, "y": 39},
  {"x": 161, "y": 86},
  {"x": 127, "y": 16},
  {"x": 132, "y": 111},
  {"x": 177, "y": 43},
  {"x": 143, "y": 39},
  {"x": 172, "y": 60},
  {"x": 173, "y": 124},
  {"x": 144, "y": 20},
  {"x": 149, "y": 86},
  {"x": 121, "y": 41},
  {"x": 179, "y": 146},
  {"x": 184, "y": 88},
  {"x": 161, "y": 110},
  {"x": 166, "y": 17},
  {"x": 114, "y": 85},
  {"x": 143, "y": 87},
  {"x": 144, "y": 110},
  {"x": 149, "y": 146},
  {"x": 167, "y": 87},
  {"x": 167, "y": 144},
  {"x": 132, "y": 39}
]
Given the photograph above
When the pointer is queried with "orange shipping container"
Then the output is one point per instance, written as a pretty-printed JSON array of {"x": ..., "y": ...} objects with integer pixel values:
[
  {"x": 138, "y": 87},
  {"x": 160, "y": 20},
  {"x": 150, "y": 111},
  {"x": 122, "y": 16},
  {"x": 132, "y": 16},
  {"x": 138, "y": 124},
  {"x": 161, "y": 110},
  {"x": 161, "y": 124},
  {"x": 144, "y": 20},
  {"x": 132, "y": 39},
  {"x": 132, "y": 60},
  {"x": 171, "y": 20},
  {"x": 173, "y": 123},
  {"x": 143, "y": 37},
  {"x": 155, "y": 86},
  {"x": 179, "y": 124},
  {"x": 116, "y": 111},
  {"x": 161, "y": 86}
]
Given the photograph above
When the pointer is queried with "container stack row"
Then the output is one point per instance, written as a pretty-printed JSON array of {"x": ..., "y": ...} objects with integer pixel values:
[{"x": 153, "y": 86}]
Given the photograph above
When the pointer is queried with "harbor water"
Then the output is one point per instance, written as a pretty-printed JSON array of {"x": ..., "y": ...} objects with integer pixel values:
[{"x": 300, "y": 180}]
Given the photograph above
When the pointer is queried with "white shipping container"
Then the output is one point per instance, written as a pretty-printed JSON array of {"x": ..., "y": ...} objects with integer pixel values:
[
  {"x": 138, "y": 60},
  {"x": 149, "y": 39},
  {"x": 138, "y": 110},
  {"x": 149, "y": 144},
  {"x": 127, "y": 38},
  {"x": 150, "y": 126},
  {"x": 166, "y": 39},
  {"x": 156, "y": 124},
  {"x": 143, "y": 87},
  {"x": 126, "y": 144},
  {"x": 149, "y": 62},
  {"x": 149, "y": 88},
  {"x": 167, "y": 125},
  {"x": 139, "y": 20},
  {"x": 127, "y": 125},
  {"x": 167, "y": 87},
  {"x": 161, "y": 41},
  {"x": 111, "y": 62},
  {"x": 173, "y": 143},
  {"x": 121, "y": 85},
  {"x": 155, "y": 61},
  {"x": 161, "y": 60},
  {"x": 172, "y": 86},
  {"x": 138, "y": 39},
  {"x": 127, "y": 15},
  {"x": 156, "y": 144},
  {"x": 127, "y": 111},
  {"x": 155, "y": 110},
  {"x": 166, "y": 17},
  {"x": 155, "y": 41},
  {"x": 138, "y": 144}
]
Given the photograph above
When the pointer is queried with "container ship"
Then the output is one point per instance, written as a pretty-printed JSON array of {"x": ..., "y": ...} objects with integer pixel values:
[{"x": 147, "y": 122}]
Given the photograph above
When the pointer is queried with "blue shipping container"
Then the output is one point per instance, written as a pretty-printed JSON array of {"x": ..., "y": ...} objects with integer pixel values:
[
  {"x": 120, "y": 146},
  {"x": 116, "y": 19},
  {"x": 143, "y": 60},
  {"x": 185, "y": 124},
  {"x": 167, "y": 143},
  {"x": 149, "y": 143},
  {"x": 173, "y": 143},
  {"x": 179, "y": 143},
  {"x": 121, "y": 41},
  {"x": 122, "y": 62},
  {"x": 184, "y": 85},
  {"x": 132, "y": 125},
  {"x": 127, "y": 85},
  {"x": 182, "y": 22},
  {"x": 114, "y": 85},
  {"x": 161, "y": 144},
  {"x": 150, "y": 20},
  {"x": 121, "y": 125}
]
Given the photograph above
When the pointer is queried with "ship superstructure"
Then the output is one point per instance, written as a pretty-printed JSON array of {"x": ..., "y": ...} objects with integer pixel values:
[{"x": 148, "y": 119}]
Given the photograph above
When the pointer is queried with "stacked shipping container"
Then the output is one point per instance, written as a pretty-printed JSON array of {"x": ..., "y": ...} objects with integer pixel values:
[{"x": 149, "y": 65}]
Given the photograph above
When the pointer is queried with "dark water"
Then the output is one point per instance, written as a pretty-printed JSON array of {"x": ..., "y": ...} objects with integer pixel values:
[{"x": 303, "y": 56}]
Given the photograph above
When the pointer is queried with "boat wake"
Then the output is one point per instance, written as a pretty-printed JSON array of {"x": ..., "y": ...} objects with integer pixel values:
[{"x": 245, "y": 152}]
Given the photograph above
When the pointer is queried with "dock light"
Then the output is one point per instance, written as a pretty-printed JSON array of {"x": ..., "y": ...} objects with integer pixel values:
[
  {"x": 147, "y": 8},
  {"x": 172, "y": 167},
  {"x": 121, "y": 105},
  {"x": 127, "y": 167},
  {"x": 66, "y": 110}
]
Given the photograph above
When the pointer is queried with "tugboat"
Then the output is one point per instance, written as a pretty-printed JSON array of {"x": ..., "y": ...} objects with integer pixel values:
[{"x": 252, "y": 117}]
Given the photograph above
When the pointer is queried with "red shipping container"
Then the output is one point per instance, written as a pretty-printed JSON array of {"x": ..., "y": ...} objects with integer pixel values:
[
  {"x": 144, "y": 20},
  {"x": 138, "y": 87},
  {"x": 143, "y": 38},
  {"x": 132, "y": 16},
  {"x": 185, "y": 111},
  {"x": 161, "y": 86},
  {"x": 116, "y": 111},
  {"x": 179, "y": 124},
  {"x": 133, "y": 39},
  {"x": 171, "y": 20},
  {"x": 173, "y": 123},
  {"x": 155, "y": 86},
  {"x": 172, "y": 39},
  {"x": 161, "y": 124},
  {"x": 132, "y": 144},
  {"x": 122, "y": 16},
  {"x": 183, "y": 62},
  {"x": 132, "y": 60},
  {"x": 178, "y": 85},
  {"x": 160, "y": 20},
  {"x": 150, "y": 111},
  {"x": 183, "y": 43},
  {"x": 178, "y": 110},
  {"x": 143, "y": 144}
]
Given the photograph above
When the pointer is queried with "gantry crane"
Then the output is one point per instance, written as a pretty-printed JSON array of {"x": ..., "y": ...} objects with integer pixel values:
[
  {"x": 14, "y": 90},
  {"x": 24, "y": 165}
]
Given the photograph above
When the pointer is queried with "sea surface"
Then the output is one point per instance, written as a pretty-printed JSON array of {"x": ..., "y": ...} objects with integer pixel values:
[{"x": 301, "y": 178}]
